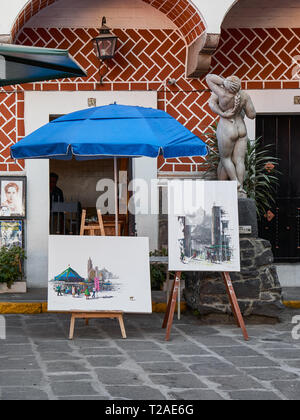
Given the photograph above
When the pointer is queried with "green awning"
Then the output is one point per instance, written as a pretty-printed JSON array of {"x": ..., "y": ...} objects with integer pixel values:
[{"x": 20, "y": 64}]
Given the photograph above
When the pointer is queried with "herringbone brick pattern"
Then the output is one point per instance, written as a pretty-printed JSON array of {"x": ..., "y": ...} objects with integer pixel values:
[
  {"x": 142, "y": 56},
  {"x": 181, "y": 12},
  {"x": 146, "y": 59},
  {"x": 11, "y": 128},
  {"x": 262, "y": 58}
]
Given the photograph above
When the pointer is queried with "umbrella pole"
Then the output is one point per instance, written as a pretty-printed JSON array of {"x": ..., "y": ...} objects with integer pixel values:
[{"x": 116, "y": 197}]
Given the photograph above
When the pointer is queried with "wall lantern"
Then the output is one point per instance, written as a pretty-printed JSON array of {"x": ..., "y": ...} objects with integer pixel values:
[{"x": 105, "y": 44}]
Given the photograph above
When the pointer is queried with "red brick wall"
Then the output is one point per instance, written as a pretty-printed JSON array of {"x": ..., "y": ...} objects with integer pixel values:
[
  {"x": 262, "y": 58},
  {"x": 181, "y": 12},
  {"x": 11, "y": 128},
  {"x": 146, "y": 59}
]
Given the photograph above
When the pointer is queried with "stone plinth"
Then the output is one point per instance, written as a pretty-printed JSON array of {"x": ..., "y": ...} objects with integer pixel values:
[
  {"x": 247, "y": 216},
  {"x": 257, "y": 286}
]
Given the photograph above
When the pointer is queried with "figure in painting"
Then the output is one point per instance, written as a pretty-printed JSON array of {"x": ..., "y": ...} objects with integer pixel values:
[
  {"x": 232, "y": 104},
  {"x": 87, "y": 293},
  {"x": 11, "y": 203},
  {"x": 58, "y": 291}
]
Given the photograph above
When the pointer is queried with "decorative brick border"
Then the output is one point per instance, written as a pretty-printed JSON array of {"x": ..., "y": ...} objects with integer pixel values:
[
  {"x": 261, "y": 57},
  {"x": 145, "y": 60},
  {"x": 11, "y": 128},
  {"x": 181, "y": 12}
]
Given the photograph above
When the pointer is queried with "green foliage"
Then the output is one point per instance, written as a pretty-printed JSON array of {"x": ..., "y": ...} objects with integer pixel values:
[
  {"x": 261, "y": 178},
  {"x": 158, "y": 276},
  {"x": 11, "y": 265},
  {"x": 159, "y": 253},
  {"x": 158, "y": 271},
  {"x": 211, "y": 163}
]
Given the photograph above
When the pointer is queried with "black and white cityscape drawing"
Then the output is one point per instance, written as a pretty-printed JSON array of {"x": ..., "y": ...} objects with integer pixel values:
[{"x": 206, "y": 238}]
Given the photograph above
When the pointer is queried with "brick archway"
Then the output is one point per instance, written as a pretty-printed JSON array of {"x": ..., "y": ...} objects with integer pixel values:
[{"x": 185, "y": 16}]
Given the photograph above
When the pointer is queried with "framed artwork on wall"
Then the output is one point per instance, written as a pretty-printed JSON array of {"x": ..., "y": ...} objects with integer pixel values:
[
  {"x": 13, "y": 197},
  {"x": 99, "y": 273},
  {"x": 11, "y": 233},
  {"x": 203, "y": 226}
]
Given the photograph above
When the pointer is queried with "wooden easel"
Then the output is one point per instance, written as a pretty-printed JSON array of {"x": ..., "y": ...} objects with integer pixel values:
[
  {"x": 91, "y": 229},
  {"x": 168, "y": 320},
  {"x": 88, "y": 315}
]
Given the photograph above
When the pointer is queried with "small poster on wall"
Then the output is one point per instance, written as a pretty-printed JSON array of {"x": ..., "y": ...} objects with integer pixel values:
[
  {"x": 13, "y": 197},
  {"x": 11, "y": 233},
  {"x": 99, "y": 273},
  {"x": 203, "y": 226}
]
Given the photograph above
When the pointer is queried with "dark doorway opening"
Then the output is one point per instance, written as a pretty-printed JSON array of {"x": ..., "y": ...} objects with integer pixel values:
[
  {"x": 78, "y": 182},
  {"x": 281, "y": 226}
]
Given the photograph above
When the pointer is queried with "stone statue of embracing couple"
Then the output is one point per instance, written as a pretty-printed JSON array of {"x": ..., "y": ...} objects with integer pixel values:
[{"x": 232, "y": 105}]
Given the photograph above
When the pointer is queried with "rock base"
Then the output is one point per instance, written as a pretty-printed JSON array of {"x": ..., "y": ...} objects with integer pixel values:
[{"x": 257, "y": 286}]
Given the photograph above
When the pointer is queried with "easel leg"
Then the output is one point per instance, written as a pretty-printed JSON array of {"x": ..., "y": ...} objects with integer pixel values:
[
  {"x": 122, "y": 326},
  {"x": 168, "y": 321},
  {"x": 234, "y": 304},
  {"x": 168, "y": 306},
  {"x": 72, "y": 326},
  {"x": 168, "y": 284},
  {"x": 178, "y": 308}
]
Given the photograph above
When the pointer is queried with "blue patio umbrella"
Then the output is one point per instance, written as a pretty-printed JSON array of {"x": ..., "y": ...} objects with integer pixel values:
[{"x": 110, "y": 131}]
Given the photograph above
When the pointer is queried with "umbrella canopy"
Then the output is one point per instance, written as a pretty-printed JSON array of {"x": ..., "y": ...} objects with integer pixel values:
[
  {"x": 19, "y": 64},
  {"x": 110, "y": 131}
]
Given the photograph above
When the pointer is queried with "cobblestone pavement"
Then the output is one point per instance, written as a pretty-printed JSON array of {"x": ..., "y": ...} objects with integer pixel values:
[{"x": 37, "y": 361}]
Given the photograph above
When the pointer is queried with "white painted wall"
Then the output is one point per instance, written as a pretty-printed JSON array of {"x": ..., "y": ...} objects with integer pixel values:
[
  {"x": 277, "y": 102},
  {"x": 272, "y": 102},
  {"x": 264, "y": 14},
  {"x": 213, "y": 12},
  {"x": 133, "y": 14},
  {"x": 9, "y": 11},
  {"x": 38, "y": 106}
]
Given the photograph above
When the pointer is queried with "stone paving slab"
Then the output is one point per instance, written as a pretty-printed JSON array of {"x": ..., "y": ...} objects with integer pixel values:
[{"x": 200, "y": 362}]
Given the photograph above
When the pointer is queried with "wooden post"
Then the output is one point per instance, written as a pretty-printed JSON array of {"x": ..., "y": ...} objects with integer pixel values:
[
  {"x": 89, "y": 315},
  {"x": 72, "y": 326},
  {"x": 100, "y": 221},
  {"x": 92, "y": 228},
  {"x": 234, "y": 304},
  {"x": 168, "y": 320}
]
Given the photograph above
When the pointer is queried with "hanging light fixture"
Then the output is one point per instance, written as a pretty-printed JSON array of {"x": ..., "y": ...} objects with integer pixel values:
[{"x": 105, "y": 44}]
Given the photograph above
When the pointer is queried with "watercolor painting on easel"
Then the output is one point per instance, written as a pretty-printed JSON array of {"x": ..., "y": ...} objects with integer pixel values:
[{"x": 99, "y": 274}]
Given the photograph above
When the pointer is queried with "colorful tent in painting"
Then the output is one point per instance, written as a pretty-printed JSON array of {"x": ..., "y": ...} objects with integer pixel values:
[{"x": 69, "y": 275}]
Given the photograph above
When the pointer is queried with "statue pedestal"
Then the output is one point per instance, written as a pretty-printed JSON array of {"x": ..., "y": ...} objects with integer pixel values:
[
  {"x": 257, "y": 285},
  {"x": 247, "y": 216}
]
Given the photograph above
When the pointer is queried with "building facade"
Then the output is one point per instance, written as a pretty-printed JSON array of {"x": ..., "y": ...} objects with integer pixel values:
[{"x": 165, "y": 49}]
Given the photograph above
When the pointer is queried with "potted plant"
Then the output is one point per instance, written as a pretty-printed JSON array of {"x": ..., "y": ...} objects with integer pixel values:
[
  {"x": 11, "y": 270},
  {"x": 159, "y": 273}
]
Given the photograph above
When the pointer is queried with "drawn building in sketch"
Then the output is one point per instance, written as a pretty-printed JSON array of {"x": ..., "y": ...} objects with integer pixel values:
[{"x": 209, "y": 240}]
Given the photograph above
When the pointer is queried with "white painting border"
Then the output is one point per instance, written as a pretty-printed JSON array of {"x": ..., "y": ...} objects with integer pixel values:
[
  {"x": 203, "y": 226},
  {"x": 126, "y": 287}
]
